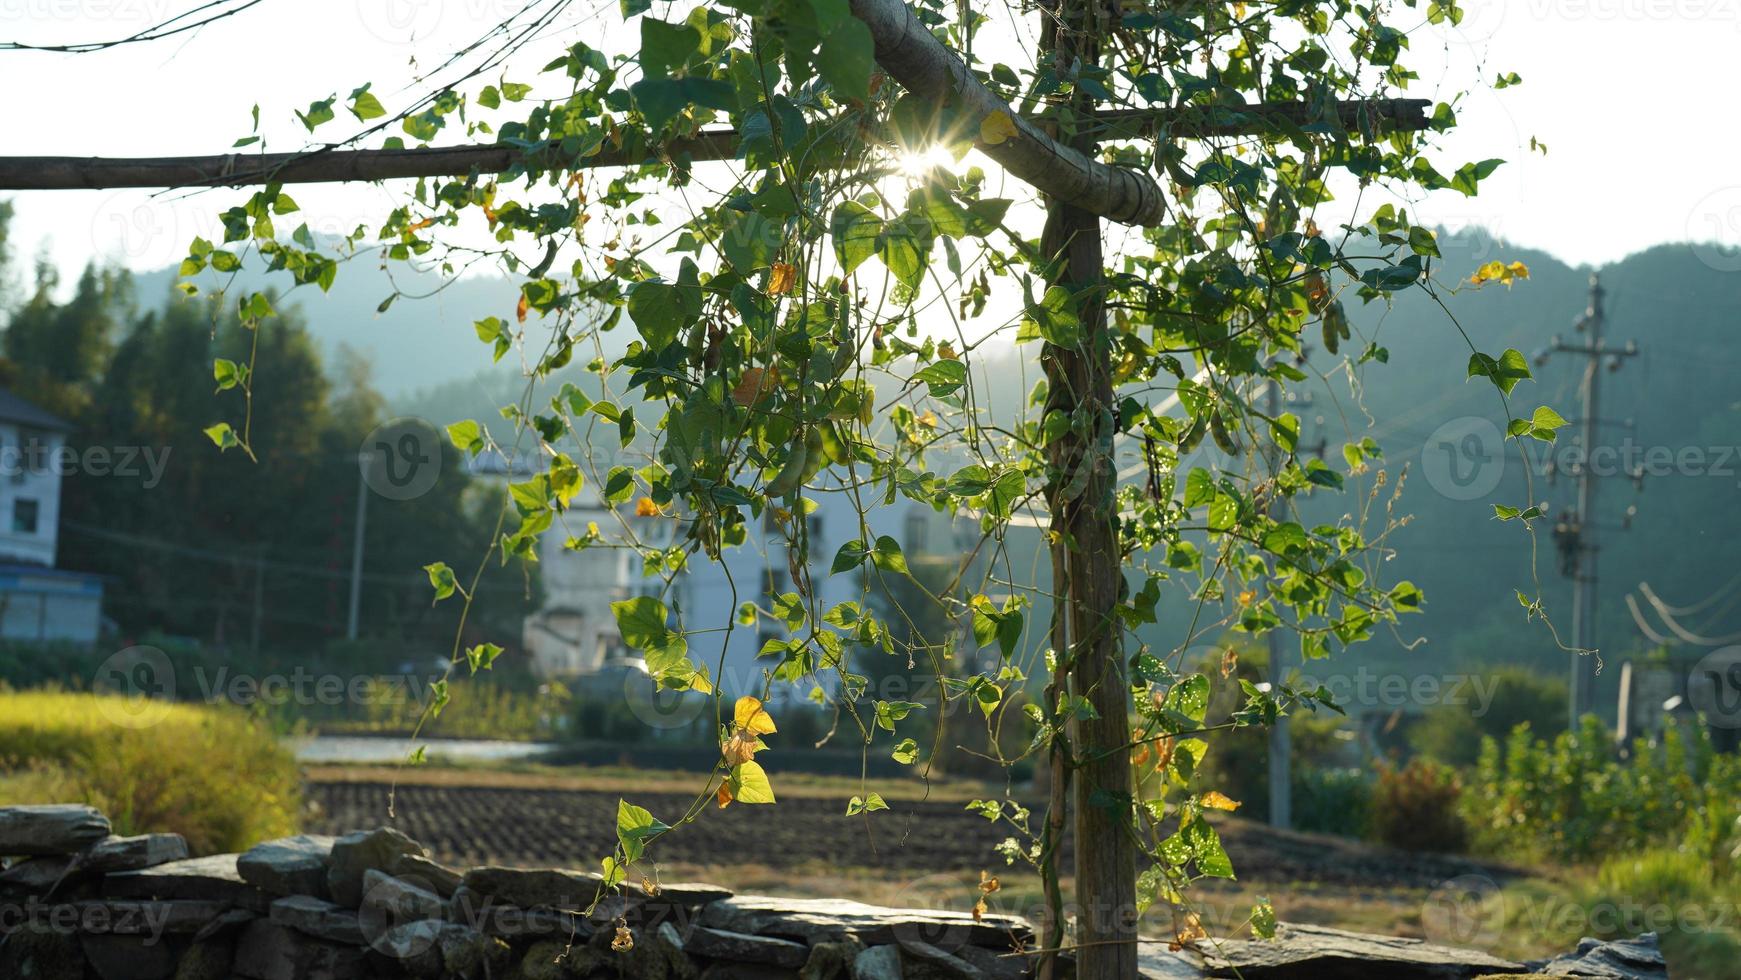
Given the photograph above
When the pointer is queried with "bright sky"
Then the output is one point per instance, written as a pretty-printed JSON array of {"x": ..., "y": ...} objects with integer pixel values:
[{"x": 1626, "y": 94}]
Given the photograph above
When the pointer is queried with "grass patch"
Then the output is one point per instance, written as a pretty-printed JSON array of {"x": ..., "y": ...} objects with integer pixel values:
[{"x": 211, "y": 774}]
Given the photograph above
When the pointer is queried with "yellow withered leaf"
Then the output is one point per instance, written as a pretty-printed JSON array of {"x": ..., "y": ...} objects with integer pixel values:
[
  {"x": 997, "y": 127},
  {"x": 988, "y": 882},
  {"x": 781, "y": 279},
  {"x": 750, "y": 716},
  {"x": 1497, "y": 271},
  {"x": 723, "y": 795},
  {"x": 740, "y": 748},
  {"x": 1216, "y": 800}
]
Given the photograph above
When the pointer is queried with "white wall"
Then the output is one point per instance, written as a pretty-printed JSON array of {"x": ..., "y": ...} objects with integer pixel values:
[{"x": 29, "y": 476}]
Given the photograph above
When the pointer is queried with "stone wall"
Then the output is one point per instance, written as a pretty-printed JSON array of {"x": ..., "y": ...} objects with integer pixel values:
[{"x": 77, "y": 902}]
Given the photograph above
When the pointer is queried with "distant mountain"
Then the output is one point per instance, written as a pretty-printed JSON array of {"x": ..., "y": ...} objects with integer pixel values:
[
  {"x": 1677, "y": 399},
  {"x": 423, "y": 340}
]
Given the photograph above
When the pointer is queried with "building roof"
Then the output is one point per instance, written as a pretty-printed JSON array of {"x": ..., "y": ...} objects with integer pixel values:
[{"x": 16, "y": 410}]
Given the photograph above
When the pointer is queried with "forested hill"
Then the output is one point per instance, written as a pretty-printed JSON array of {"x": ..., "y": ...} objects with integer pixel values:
[
  {"x": 1680, "y": 303},
  {"x": 423, "y": 339},
  {"x": 1677, "y": 400}
]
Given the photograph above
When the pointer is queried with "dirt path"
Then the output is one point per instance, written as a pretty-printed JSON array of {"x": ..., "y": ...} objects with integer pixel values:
[{"x": 543, "y": 826}]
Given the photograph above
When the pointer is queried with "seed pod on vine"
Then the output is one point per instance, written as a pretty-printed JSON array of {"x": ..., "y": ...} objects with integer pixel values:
[
  {"x": 1223, "y": 438},
  {"x": 1193, "y": 435},
  {"x": 792, "y": 473}
]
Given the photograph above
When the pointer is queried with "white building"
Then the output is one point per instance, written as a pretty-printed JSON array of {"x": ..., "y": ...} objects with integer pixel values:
[
  {"x": 575, "y": 635},
  {"x": 37, "y": 600}
]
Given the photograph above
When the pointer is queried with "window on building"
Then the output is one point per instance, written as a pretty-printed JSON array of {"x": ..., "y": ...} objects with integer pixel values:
[{"x": 24, "y": 511}]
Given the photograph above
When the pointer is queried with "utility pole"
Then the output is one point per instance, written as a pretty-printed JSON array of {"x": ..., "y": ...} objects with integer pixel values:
[
  {"x": 1281, "y": 750},
  {"x": 1281, "y": 758},
  {"x": 1575, "y": 531},
  {"x": 357, "y": 545}
]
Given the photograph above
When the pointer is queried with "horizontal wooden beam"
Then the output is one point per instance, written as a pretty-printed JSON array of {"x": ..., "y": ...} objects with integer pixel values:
[{"x": 333, "y": 165}]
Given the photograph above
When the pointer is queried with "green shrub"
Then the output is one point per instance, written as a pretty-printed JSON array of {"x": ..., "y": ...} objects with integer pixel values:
[
  {"x": 1575, "y": 799},
  {"x": 1519, "y": 696},
  {"x": 1333, "y": 801},
  {"x": 1415, "y": 807},
  {"x": 212, "y": 774}
]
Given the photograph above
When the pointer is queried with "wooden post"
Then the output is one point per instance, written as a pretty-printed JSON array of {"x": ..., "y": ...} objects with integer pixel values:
[{"x": 1085, "y": 548}]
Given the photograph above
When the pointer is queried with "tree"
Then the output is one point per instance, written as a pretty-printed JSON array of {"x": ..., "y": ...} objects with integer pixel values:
[{"x": 789, "y": 366}]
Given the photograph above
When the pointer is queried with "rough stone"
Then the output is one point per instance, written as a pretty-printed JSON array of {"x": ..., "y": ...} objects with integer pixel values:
[
  {"x": 208, "y": 959},
  {"x": 741, "y": 947},
  {"x": 1638, "y": 958},
  {"x": 355, "y": 854},
  {"x": 213, "y": 877},
  {"x": 413, "y": 946},
  {"x": 826, "y": 919},
  {"x": 996, "y": 965},
  {"x": 497, "y": 918},
  {"x": 831, "y": 960},
  {"x": 53, "y": 828},
  {"x": 550, "y": 959},
  {"x": 132, "y": 853},
  {"x": 1157, "y": 962},
  {"x": 878, "y": 963},
  {"x": 398, "y": 901},
  {"x": 38, "y": 875},
  {"x": 269, "y": 951},
  {"x": 564, "y": 889},
  {"x": 46, "y": 953},
  {"x": 539, "y": 888},
  {"x": 145, "y": 917},
  {"x": 119, "y": 957},
  {"x": 468, "y": 953},
  {"x": 727, "y": 970},
  {"x": 288, "y": 866},
  {"x": 319, "y": 918},
  {"x": 225, "y": 925},
  {"x": 1331, "y": 954},
  {"x": 923, "y": 961},
  {"x": 433, "y": 875}
]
